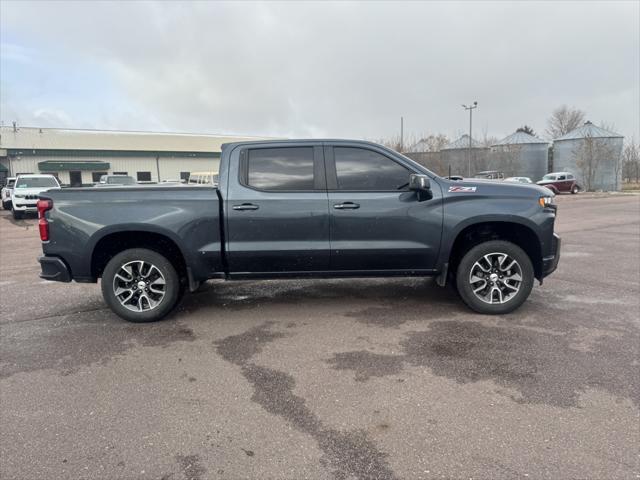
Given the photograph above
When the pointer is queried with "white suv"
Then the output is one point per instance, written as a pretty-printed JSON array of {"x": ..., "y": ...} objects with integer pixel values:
[
  {"x": 6, "y": 193},
  {"x": 24, "y": 196}
]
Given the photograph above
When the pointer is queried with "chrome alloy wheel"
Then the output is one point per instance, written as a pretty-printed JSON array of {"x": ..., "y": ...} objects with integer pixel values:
[
  {"x": 495, "y": 278},
  {"x": 139, "y": 286}
]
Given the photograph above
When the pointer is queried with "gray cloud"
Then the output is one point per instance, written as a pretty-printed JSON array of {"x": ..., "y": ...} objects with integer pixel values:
[{"x": 338, "y": 69}]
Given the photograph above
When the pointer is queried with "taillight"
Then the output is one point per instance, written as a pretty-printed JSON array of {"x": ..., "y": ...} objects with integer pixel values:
[{"x": 44, "y": 205}]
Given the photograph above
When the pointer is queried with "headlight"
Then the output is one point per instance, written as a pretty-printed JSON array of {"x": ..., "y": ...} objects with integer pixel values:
[
  {"x": 18, "y": 196},
  {"x": 546, "y": 201}
]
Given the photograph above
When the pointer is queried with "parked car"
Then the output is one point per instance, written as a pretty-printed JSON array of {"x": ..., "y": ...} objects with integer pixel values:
[
  {"x": 560, "y": 182},
  {"x": 308, "y": 208},
  {"x": 5, "y": 194},
  {"x": 115, "y": 180},
  {"x": 518, "y": 179},
  {"x": 24, "y": 196},
  {"x": 200, "y": 178},
  {"x": 490, "y": 175}
]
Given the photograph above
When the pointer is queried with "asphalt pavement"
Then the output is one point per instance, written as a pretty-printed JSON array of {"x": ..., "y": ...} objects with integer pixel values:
[{"x": 336, "y": 379}]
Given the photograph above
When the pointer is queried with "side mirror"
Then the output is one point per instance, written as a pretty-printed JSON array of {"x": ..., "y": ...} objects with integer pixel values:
[{"x": 421, "y": 185}]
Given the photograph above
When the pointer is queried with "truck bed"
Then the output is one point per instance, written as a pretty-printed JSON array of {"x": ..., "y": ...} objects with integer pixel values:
[{"x": 188, "y": 216}]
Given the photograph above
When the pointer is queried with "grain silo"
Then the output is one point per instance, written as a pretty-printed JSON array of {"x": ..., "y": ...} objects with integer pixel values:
[
  {"x": 520, "y": 155},
  {"x": 455, "y": 157},
  {"x": 592, "y": 154}
]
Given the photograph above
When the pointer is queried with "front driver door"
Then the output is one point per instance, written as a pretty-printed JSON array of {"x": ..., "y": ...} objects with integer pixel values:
[
  {"x": 277, "y": 210},
  {"x": 377, "y": 224}
]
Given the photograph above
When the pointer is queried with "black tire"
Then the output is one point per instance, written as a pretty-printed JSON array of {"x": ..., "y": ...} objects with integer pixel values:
[
  {"x": 575, "y": 189},
  {"x": 6, "y": 205},
  {"x": 16, "y": 214},
  {"x": 465, "y": 287},
  {"x": 172, "y": 289}
]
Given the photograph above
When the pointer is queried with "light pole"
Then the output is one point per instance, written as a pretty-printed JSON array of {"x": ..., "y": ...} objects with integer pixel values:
[{"x": 470, "y": 108}]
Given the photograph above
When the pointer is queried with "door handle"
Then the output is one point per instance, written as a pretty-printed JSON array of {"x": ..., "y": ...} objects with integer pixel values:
[
  {"x": 246, "y": 206},
  {"x": 346, "y": 206}
]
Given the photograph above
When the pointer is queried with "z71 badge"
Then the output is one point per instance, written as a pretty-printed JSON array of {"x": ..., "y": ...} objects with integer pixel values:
[{"x": 460, "y": 189}]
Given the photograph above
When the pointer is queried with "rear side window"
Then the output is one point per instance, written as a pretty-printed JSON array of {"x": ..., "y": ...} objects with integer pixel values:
[
  {"x": 361, "y": 169},
  {"x": 280, "y": 169}
]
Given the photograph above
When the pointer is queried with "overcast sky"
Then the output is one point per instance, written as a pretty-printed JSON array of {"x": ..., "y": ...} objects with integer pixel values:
[{"x": 318, "y": 69}]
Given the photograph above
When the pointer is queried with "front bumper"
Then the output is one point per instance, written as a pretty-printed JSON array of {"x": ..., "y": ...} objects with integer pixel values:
[
  {"x": 550, "y": 262},
  {"x": 25, "y": 206},
  {"x": 53, "y": 268}
]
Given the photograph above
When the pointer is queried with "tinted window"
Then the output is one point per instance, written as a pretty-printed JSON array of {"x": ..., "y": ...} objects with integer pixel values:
[
  {"x": 144, "y": 176},
  {"x": 36, "y": 182},
  {"x": 184, "y": 176},
  {"x": 360, "y": 169},
  {"x": 561, "y": 177},
  {"x": 281, "y": 168}
]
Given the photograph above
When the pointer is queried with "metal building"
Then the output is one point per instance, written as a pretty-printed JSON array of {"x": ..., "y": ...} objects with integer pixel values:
[
  {"x": 521, "y": 155},
  {"x": 592, "y": 154},
  {"x": 80, "y": 157},
  {"x": 455, "y": 156}
]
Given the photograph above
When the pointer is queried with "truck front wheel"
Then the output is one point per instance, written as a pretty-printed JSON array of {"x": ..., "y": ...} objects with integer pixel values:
[
  {"x": 495, "y": 277},
  {"x": 140, "y": 285}
]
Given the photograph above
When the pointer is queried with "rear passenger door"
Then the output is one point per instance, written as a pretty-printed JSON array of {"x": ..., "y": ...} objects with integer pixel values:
[
  {"x": 277, "y": 210},
  {"x": 377, "y": 224}
]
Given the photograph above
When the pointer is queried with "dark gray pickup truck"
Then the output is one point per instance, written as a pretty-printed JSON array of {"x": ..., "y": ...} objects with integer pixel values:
[{"x": 312, "y": 208}]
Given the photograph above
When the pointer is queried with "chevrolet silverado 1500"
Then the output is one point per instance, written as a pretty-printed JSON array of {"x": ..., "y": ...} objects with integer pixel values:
[{"x": 301, "y": 208}]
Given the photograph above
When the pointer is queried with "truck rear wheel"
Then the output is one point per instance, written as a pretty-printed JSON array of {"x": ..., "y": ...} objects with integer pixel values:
[
  {"x": 495, "y": 277},
  {"x": 140, "y": 285}
]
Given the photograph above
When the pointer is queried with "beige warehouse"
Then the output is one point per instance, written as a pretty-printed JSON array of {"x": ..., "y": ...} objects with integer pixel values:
[{"x": 80, "y": 157}]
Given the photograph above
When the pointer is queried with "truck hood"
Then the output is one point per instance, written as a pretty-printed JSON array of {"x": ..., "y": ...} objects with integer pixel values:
[
  {"x": 30, "y": 191},
  {"x": 496, "y": 187}
]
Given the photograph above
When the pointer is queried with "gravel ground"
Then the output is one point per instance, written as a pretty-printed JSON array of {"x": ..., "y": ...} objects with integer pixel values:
[{"x": 342, "y": 379}]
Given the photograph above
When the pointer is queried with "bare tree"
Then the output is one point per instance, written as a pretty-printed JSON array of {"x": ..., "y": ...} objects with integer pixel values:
[
  {"x": 526, "y": 129},
  {"x": 430, "y": 143},
  {"x": 564, "y": 119},
  {"x": 589, "y": 156},
  {"x": 630, "y": 160}
]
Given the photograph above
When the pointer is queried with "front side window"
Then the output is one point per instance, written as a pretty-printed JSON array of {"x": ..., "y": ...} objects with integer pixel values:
[
  {"x": 561, "y": 177},
  {"x": 144, "y": 176},
  {"x": 361, "y": 169},
  {"x": 36, "y": 182},
  {"x": 280, "y": 169}
]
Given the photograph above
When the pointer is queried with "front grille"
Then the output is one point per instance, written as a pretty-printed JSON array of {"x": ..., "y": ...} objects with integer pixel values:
[{"x": 31, "y": 197}]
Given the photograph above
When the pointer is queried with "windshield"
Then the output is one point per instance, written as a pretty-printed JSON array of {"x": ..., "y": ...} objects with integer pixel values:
[
  {"x": 121, "y": 180},
  {"x": 549, "y": 177},
  {"x": 36, "y": 182}
]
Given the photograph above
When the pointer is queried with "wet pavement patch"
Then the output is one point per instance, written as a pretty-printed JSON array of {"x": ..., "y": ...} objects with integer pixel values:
[
  {"x": 69, "y": 343},
  {"x": 346, "y": 454},
  {"x": 367, "y": 364},
  {"x": 542, "y": 367},
  {"x": 191, "y": 467}
]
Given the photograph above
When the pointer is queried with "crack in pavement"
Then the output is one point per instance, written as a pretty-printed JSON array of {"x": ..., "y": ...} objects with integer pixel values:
[{"x": 347, "y": 454}]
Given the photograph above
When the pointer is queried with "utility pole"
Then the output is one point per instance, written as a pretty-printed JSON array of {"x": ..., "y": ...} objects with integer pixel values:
[
  {"x": 401, "y": 134},
  {"x": 470, "y": 108}
]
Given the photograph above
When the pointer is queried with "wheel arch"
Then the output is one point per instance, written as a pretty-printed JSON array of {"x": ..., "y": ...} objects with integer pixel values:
[
  {"x": 112, "y": 241},
  {"x": 520, "y": 234}
]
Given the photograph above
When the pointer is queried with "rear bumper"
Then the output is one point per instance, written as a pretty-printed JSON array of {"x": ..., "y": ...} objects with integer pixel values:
[
  {"x": 53, "y": 268},
  {"x": 550, "y": 262}
]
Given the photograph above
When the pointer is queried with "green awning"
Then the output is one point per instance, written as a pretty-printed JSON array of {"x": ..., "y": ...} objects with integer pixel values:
[{"x": 55, "y": 166}]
